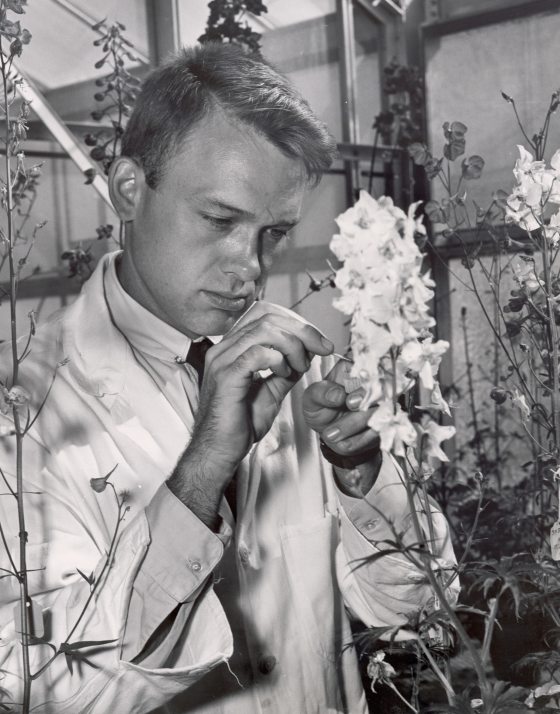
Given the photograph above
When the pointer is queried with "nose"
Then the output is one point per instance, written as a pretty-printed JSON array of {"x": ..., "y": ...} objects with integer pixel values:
[{"x": 244, "y": 259}]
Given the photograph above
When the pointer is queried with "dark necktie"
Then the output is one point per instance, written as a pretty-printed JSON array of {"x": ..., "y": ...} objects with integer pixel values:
[{"x": 197, "y": 355}]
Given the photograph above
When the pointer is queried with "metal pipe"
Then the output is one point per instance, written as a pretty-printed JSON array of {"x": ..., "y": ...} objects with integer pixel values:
[
  {"x": 87, "y": 19},
  {"x": 348, "y": 82},
  {"x": 30, "y": 93}
]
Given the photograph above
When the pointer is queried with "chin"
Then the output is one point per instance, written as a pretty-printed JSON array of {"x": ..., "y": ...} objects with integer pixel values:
[{"x": 214, "y": 325}]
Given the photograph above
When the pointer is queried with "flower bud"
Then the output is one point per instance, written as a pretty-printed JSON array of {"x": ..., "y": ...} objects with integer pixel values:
[{"x": 499, "y": 395}]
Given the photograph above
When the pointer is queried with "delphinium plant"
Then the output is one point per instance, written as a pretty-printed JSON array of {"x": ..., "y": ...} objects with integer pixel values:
[
  {"x": 521, "y": 232},
  {"x": 386, "y": 295},
  {"x": 20, "y": 407},
  {"x": 15, "y": 181},
  {"x": 227, "y": 22},
  {"x": 115, "y": 96},
  {"x": 401, "y": 123}
]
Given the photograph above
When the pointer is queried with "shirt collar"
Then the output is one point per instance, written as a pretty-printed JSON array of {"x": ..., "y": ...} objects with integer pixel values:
[{"x": 142, "y": 329}]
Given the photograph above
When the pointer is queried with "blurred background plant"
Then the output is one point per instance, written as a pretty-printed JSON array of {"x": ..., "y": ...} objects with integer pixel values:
[
  {"x": 227, "y": 22},
  {"x": 115, "y": 97}
]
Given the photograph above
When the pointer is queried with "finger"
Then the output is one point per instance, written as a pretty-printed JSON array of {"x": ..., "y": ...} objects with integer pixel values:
[
  {"x": 261, "y": 308},
  {"x": 355, "y": 399},
  {"x": 258, "y": 358},
  {"x": 280, "y": 318},
  {"x": 368, "y": 439},
  {"x": 266, "y": 334},
  {"x": 341, "y": 371},
  {"x": 279, "y": 386},
  {"x": 324, "y": 394},
  {"x": 347, "y": 426}
]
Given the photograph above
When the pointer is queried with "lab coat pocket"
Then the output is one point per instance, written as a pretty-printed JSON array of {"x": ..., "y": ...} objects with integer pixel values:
[{"x": 309, "y": 559}]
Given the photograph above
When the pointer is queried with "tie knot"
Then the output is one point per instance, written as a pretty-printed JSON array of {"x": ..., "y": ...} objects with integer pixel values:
[{"x": 197, "y": 355}]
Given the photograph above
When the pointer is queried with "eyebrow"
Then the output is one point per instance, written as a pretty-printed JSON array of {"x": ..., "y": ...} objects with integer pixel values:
[
  {"x": 227, "y": 207},
  {"x": 216, "y": 203}
]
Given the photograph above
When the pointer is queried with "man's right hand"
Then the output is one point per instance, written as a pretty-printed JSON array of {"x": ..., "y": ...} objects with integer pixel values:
[{"x": 236, "y": 410}]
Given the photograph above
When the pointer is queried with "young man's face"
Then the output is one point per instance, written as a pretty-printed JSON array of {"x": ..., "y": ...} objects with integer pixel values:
[{"x": 203, "y": 241}]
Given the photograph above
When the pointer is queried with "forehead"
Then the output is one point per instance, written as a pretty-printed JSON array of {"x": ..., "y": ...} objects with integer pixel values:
[{"x": 224, "y": 159}]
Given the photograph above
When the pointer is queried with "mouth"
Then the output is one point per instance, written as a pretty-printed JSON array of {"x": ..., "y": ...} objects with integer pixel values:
[{"x": 227, "y": 301}]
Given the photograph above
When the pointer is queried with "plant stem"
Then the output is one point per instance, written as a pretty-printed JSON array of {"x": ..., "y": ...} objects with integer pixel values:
[
  {"x": 469, "y": 539},
  {"x": 489, "y": 629},
  {"x": 553, "y": 339},
  {"x": 24, "y": 600},
  {"x": 437, "y": 671},
  {"x": 439, "y": 591},
  {"x": 400, "y": 696},
  {"x": 496, "y": 360},
  {"x": 472, "y": 403},
  {"x": 96, "y": 585}
]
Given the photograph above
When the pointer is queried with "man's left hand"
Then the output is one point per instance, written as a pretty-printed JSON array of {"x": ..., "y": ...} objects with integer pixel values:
[{"x": 335, "y": 415}]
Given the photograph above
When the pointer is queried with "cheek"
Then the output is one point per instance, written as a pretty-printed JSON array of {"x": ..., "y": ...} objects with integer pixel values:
[{"x": 272, "y": 250}]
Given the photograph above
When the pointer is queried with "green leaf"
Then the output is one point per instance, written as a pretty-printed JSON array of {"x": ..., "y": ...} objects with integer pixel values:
[
  {"x": 88, "y": 578},
  {"x": 68, "y": 647},
  {"x": 507, "y": 97},
  {"x": 90, "y": 174},
  {"x": 99, "y": 25}
]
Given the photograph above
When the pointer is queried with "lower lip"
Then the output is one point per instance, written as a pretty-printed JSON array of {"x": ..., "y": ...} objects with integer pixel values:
[{"x": 225, "y": 303}]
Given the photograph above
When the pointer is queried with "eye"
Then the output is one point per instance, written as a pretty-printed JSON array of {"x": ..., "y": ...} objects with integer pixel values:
[
  {"x": 218, "y": 221},
  {"x": 277, "y": 233}
]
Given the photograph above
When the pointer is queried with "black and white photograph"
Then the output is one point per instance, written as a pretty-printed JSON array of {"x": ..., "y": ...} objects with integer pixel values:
[{"x": 279, "y": 356}]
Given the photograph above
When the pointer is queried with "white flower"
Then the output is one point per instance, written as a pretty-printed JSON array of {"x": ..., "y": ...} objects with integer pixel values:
[
  {"x": 552, "y": 230},
  {"x": 550, "y": 689},
  {"x": 424, "y": 358},
  {"x": 378, "y": 670},
  {"x": 521, "y": 403},
  {"x": 438, "y": 402},
  {"x": 393, "y": 426},
  {"x": 523, "y": 215},
  {"x": 525, "y": 276},
  {"x": 17, "y": 397},
  {"x": 386, "y": 294},
  {"x": 432, "y": 436},
  {"x": 536, "y": 187}
]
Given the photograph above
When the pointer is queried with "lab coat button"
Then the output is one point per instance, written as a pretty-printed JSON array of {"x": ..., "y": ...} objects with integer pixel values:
[
  {"x": 267, "y": 664},
  {"x": 195, "y": 566}
]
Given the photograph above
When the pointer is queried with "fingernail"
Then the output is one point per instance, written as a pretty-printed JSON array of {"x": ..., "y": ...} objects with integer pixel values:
[
  {"x": 354, "y": 401},
  {"x": 332, "y": 434},
  {"x": 327, "y": 344},
  {"x": 334, "y": 395}
]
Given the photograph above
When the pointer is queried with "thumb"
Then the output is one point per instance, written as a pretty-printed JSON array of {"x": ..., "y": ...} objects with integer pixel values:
[{"x": 322, "y": 402}]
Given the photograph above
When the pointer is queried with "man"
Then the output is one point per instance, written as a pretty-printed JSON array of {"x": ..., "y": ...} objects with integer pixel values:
[{"x": 221, "y": 593}]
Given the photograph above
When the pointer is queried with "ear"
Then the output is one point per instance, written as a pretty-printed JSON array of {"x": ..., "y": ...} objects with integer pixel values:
[{"x": 126, "y": 186}]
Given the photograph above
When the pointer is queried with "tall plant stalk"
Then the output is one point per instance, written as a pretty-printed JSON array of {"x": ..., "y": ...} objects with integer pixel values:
[{"x": 12, "y": 131}]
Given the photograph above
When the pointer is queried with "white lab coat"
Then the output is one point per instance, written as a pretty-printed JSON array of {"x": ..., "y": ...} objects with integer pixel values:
[{"x": 288, "y": 614}]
